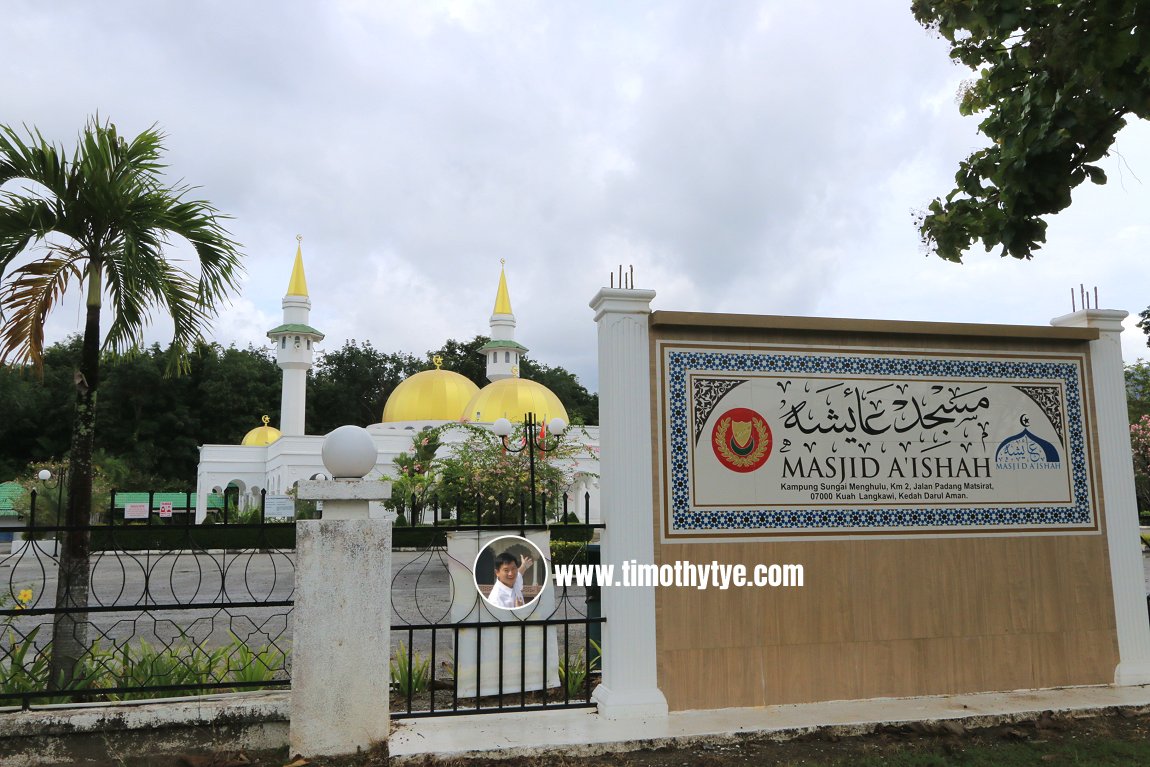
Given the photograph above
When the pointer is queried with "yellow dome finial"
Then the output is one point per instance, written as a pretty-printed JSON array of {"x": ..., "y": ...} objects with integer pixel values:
[
  {"x": 261, "y": 435},
  {"x": 502, "y": 299},
  {"x": 437, "y": 360},
  {"x": 297, "y": 286}
]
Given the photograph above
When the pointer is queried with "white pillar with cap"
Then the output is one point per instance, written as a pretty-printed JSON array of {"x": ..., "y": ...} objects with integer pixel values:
[
  {"x": 1120, "y": 504},
  {"x": 342, "y": 617}
]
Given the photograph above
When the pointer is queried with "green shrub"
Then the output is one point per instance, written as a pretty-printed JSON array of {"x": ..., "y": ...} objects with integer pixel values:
[
  {"x": 573, "y": 672},
  {"x": 24, "y": 669},
  {"x": 409, "y": 678},
  {"x": 569, "y": 552}
]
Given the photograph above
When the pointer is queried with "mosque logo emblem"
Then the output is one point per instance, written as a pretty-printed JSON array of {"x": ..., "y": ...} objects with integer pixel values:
[
  {"x": 1025, "y": 451},
  {"x": 741, "y": 439}
]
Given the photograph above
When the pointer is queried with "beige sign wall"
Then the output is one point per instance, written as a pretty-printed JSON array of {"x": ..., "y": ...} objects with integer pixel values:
[{"x": 936, "y": 483}]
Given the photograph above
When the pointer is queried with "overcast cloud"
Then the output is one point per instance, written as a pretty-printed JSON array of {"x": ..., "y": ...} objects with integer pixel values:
[{"x": 760, "y": 157}]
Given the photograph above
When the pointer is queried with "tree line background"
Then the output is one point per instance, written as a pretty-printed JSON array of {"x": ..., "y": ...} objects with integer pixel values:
[{"x": 150, "y": 427}]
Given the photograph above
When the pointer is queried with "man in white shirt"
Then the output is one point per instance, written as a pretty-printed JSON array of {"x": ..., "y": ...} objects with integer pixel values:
[{"x": 507, "y": 591}]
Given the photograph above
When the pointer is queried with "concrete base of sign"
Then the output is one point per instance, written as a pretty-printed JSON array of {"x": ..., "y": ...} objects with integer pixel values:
[
  {"x": 630, "y": 704},
  {"x": 579, "y": 732}
]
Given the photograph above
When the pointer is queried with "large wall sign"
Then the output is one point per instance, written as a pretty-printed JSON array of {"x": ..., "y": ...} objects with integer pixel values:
[{"x": 770, "y": 441}]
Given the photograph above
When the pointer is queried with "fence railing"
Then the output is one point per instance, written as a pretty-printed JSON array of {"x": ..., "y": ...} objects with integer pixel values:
[
  {"x": 453, "y": 652},
  {"x": 173, "y": 608}
]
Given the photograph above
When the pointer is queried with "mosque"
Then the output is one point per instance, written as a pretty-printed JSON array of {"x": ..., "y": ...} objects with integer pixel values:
[{"x": 275, "y": 459}]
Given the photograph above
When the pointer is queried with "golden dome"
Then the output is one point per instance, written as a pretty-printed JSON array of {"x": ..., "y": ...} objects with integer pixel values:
[
  {"x": 433, "y": 395},
  {"x": 261, "y": 435},
  {"x": 512, "y": 398}
]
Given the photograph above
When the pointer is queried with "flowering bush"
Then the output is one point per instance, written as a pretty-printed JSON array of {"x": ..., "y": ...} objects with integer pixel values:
[
  {"x": 479, "y": 477},
  {"x": 1140, "y": 447}
]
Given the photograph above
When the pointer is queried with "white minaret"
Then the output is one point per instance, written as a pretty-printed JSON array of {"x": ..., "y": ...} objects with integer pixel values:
[
  {"x": 294, "y": 341},
  {"x": 502, "y": 352}
]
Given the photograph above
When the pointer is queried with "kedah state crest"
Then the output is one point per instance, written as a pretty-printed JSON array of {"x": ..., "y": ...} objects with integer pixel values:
[{"x": 741, "y": 439}]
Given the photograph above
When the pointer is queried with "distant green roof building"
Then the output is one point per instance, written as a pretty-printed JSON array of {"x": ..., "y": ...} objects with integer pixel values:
[
  {"x": 12, "y": 495},
  {"x": 179, "y": 501}
]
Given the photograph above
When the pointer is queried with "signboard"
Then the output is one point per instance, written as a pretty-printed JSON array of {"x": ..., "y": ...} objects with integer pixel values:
[
  {"x": 779, "y": 441},
  {"x": 279, "y": 507},
  {"x": 136, "y": 511},
  {"x": 165, "y": 509}
]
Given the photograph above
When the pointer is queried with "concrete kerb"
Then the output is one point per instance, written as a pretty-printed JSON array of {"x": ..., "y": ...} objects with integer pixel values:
[
  {"x": 585, "y": 733},
  {"x": 76, "y": 734}
]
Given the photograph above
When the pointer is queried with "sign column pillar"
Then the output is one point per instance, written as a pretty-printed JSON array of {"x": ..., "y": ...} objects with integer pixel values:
[
  {"x": 1121, "y": 504},
  {"x": 630, "y": 679}
]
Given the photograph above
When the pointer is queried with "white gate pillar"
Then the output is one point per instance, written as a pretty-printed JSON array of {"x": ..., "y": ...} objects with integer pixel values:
[
  {"x": 1121, "y": 504},
  {"x": 630, "y": 681},
  {"x": 341, "y": 647}
]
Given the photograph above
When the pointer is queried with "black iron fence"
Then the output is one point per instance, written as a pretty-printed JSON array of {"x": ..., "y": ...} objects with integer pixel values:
[
  {"x": 172, "y": 608},
  {"x": 177, "y": 608},
  {"x": 454, "y": 651}
]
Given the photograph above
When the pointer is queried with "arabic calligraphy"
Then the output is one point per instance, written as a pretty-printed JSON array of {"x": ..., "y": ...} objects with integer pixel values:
[{"x": 852, "y": 409}]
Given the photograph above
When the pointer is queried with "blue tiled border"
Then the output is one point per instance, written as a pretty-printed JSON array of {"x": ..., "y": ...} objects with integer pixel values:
[{"x": 685, "y": 519}]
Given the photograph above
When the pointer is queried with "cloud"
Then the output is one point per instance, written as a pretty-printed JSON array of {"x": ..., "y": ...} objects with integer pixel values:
[{"x": 742, "y": 156}]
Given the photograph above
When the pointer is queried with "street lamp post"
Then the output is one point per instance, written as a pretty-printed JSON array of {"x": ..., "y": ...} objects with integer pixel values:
[
  {"x": 532, "y": 441},
  {"x": 46, "y": 479}
]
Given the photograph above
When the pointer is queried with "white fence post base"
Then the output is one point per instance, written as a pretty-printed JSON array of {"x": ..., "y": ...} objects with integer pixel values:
[{"x": 341, "y": 645}]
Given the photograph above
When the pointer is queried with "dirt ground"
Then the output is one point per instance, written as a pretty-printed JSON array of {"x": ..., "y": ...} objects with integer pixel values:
[{"x": 1048, "y": 739}]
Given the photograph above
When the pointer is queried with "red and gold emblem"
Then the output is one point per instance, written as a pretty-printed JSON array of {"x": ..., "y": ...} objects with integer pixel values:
[{"x": 741, "y": 439}]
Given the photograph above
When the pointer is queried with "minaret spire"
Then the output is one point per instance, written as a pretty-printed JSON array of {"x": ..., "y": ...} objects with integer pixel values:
[
  {"x": 295, "y": 353},
  {"x": 502, "y": 353},
  {"x": 297, "y": 286}
]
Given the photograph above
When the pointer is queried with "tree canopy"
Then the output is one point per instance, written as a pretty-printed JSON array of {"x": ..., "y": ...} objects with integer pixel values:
[
  {"x": 152, "y": 426},
  {"x": 1056, "y": 82}
]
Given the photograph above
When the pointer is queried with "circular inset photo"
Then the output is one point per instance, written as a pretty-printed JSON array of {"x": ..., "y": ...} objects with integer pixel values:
[{"x": 510, "y": 572}]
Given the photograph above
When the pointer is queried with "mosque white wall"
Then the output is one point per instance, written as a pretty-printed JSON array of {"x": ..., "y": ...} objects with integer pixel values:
[
  {"x": 278, "y": 466},
  {"x": 220, "y": 465}
]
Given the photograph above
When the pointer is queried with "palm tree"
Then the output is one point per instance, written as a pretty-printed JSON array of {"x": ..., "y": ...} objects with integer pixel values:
[{"x": 99, "y": 220}]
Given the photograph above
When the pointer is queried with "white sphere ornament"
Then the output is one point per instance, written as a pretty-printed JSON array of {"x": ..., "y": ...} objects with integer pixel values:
[
  {"x": 44, "y": 475},
  {"x": 557, "y": 425},
  {"x": 349, "y": 452},
  {"x": 501, "y": 427}
]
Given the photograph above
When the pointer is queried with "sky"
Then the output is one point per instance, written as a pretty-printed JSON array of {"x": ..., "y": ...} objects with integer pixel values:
[{"x": 751, "y": 157}]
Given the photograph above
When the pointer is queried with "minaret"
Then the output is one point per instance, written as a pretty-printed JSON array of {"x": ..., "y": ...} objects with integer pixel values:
[
  {"x": 294, "y": 353},
  {"x": 502, "y": 352}
]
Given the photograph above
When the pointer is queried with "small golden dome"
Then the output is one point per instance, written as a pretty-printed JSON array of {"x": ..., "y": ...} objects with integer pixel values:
[
  {"x": 261, "y": 435},
  {"x": 433, "y": 395},
  {"x": 512, "y": 398}
]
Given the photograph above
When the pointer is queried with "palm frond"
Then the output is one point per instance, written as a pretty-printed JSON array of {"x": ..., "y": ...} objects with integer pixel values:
[
  {"x": 110, "y": 200},
  {"x": 29, "y": 296},
  {"x": 36, "y": 160},
  {"x": 22, "y": 220}
]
